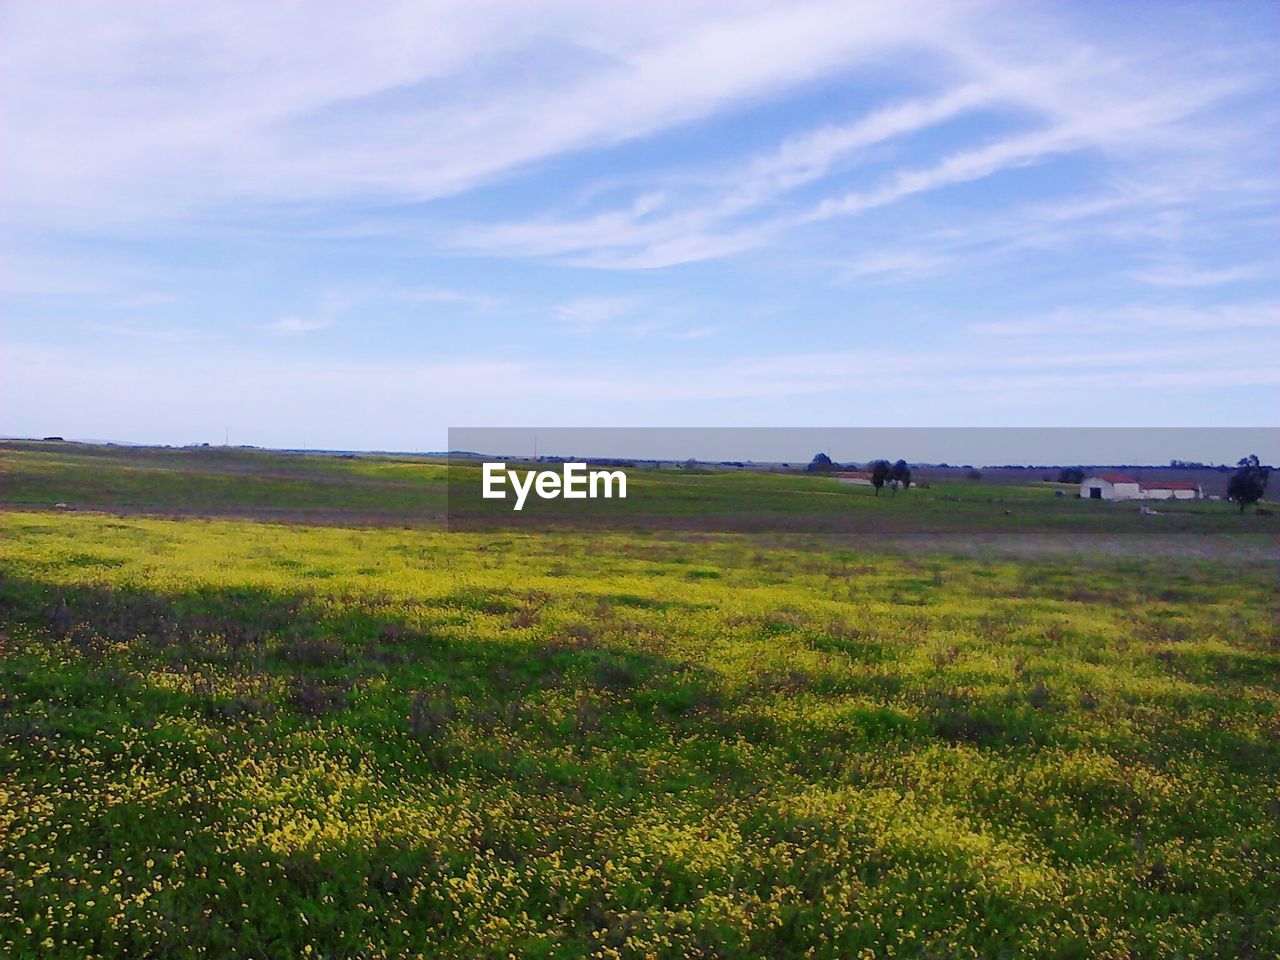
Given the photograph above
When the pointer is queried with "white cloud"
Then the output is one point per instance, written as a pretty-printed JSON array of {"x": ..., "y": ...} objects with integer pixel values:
[
  {"x": 1153, "y": 127},
  {"x": 141, "y": 121},
  {"x": 1141, "y": 214},
  {"x": 151, "y": 109},
  {"x": 148, "y": 111}
]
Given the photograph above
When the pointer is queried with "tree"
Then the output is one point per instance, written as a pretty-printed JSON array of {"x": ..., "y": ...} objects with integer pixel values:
[
  {"x": 820, "y": 464},
  {"x": 880, "y": 471},
  {"x": 1248, "y": 483},
  {"x": 901, "y": 475},
  {"x": 1071, "y": 475}
]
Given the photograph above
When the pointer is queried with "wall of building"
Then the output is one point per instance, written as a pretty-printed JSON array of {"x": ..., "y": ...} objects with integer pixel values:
[
  {"x": 1132, "y": 491},
  {"x": 1110, "y": 491}
]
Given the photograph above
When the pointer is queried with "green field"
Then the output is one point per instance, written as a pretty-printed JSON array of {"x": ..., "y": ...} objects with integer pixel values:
[
  {"x": 385, "y": 490},
  {"x": 356, "y": 734}
]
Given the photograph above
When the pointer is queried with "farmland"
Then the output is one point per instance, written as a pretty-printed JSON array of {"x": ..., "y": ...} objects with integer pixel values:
[{"x": 261, "y": 705}]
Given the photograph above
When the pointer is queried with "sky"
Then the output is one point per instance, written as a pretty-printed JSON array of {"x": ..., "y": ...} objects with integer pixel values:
[{"x": 319, "y": 225}]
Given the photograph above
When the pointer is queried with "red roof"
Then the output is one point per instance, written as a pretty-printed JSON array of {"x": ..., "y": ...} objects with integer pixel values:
[{"x": 1144, "y": 484}]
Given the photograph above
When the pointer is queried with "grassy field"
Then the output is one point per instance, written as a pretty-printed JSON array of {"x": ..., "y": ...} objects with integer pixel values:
[
  {"x": 382, "y": 490},
  {"x": 221, "y": 481},
  {"x": 361, "y": 736}
]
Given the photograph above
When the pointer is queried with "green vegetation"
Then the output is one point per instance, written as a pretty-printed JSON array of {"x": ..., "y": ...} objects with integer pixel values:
[
  {"x": 373, "y": 490},
  {"x": 221, "y": 481},
  {"x": 746, "y": 501},
  {"x": 231, "y": 738}
]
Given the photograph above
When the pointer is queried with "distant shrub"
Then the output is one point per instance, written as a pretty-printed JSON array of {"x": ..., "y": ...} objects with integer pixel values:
[
  {"x": 821, "y": 463},
  {"x": 974, "y": 475}
]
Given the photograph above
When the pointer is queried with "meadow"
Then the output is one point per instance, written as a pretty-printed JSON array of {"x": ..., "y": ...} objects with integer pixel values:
[
  {"x": 357, "y": 734},
  {"x": 398, "y": 490}
]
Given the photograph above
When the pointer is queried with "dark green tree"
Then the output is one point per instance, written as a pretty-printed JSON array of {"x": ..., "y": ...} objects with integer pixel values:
[
  {"x": 1248, "y": 483},
  {"x": 820, "y": 464},
  {"x": 901, "y": 476},
  {"x": 880, "y": 471}
]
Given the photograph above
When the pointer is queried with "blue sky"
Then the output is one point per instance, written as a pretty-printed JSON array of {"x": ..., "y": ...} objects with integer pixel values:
[{"x": 328, "y": 226}]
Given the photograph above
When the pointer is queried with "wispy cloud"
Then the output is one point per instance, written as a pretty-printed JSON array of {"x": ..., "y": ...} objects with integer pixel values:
[
  {"x": 1184, "y": 275},
  {"x": 394, "y": 109},
  {"x": 1131, "y": 114},
  {"x": 736, "y": 199},
  {"x": 1143, "y": 319},
  {"x": 301, "y": 103}
]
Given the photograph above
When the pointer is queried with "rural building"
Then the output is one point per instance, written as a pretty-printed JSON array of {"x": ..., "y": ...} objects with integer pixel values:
[
  {"x": 1112, "y": 486},
  {"x": 1171, "y": 490}
]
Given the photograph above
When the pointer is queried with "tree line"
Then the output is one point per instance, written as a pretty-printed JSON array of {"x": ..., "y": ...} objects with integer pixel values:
[
  {"x": 1246, "y": 487},
  {"x": 882, "y": 472}
]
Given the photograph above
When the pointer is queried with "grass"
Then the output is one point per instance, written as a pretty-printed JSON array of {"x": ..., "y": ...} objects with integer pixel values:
[
  {"x": 220, "y": 481},
  {"x": 420, "y": 491},
  {"x": 242, "y": 739}
]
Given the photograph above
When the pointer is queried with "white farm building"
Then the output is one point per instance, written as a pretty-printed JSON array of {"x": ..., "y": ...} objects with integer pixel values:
[{"x": 1111, "y": 486}]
